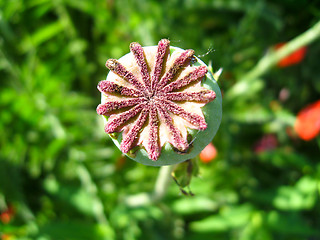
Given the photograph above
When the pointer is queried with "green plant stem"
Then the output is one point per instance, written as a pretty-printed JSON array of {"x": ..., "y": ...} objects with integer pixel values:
[
  {"x": 272, "y": 58},
  {"x": 162, "y": 182},
  {"x": 160, "y": 189}
]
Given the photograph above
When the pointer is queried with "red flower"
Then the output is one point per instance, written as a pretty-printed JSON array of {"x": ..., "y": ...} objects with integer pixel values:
[
  {"x": 294, "y": 58},
  {"x": 307, "y": 124},
  {"x": 208, "y": 153},
  {"x": 7, "y": 215}
]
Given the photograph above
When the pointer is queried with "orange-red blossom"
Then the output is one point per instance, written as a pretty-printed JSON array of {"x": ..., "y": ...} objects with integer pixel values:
[
  {"x": 208, "y": 153},
  {"x": 294, "y": 58},
  {"x": 307, "y": 124}
]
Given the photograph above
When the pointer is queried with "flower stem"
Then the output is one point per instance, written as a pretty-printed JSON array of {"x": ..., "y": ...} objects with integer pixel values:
[
  {"x": 162, "y": 182},
  {"x": 270, "y": 59},
  {"x": 160, "y": 189}
]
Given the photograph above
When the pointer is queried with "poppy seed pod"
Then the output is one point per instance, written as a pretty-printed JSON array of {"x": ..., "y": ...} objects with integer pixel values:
[{"x": 160, "y": 104}]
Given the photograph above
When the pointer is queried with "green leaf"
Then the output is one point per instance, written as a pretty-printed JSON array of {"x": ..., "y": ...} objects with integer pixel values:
[
  {"x": 301, "y": 196},
  {"x": 196, "y": 204},
  {"x": 71, "y": 195},
  {"x": 40, "y": 36},
  {"x": 229, "y": 217},
  {"x": 75, "y": 230},
  {"x": 291, "y": 223}
]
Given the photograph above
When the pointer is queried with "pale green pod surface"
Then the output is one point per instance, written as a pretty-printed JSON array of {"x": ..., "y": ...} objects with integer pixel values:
[{"x": 196, "y": 138}]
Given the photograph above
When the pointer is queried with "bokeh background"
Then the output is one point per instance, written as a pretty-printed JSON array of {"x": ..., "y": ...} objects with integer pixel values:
[{"x": 61, "y": 177}]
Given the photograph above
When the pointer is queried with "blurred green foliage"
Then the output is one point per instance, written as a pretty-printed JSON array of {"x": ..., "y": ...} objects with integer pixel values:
[{"x": 63, "y": 177}]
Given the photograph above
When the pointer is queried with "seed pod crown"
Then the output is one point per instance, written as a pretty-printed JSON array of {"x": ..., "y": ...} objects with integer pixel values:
[{"x": 157, "y": 102}]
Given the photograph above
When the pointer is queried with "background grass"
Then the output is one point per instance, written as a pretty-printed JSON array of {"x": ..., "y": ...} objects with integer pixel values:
[{"x": 63, "y": 178}]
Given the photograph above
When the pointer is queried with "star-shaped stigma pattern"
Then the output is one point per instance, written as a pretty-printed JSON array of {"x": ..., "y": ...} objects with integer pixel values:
[{"x": 153, "y": 97}]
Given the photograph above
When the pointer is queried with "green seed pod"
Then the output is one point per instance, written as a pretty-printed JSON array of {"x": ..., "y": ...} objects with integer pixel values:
[{"x": 161, "y": 105}]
